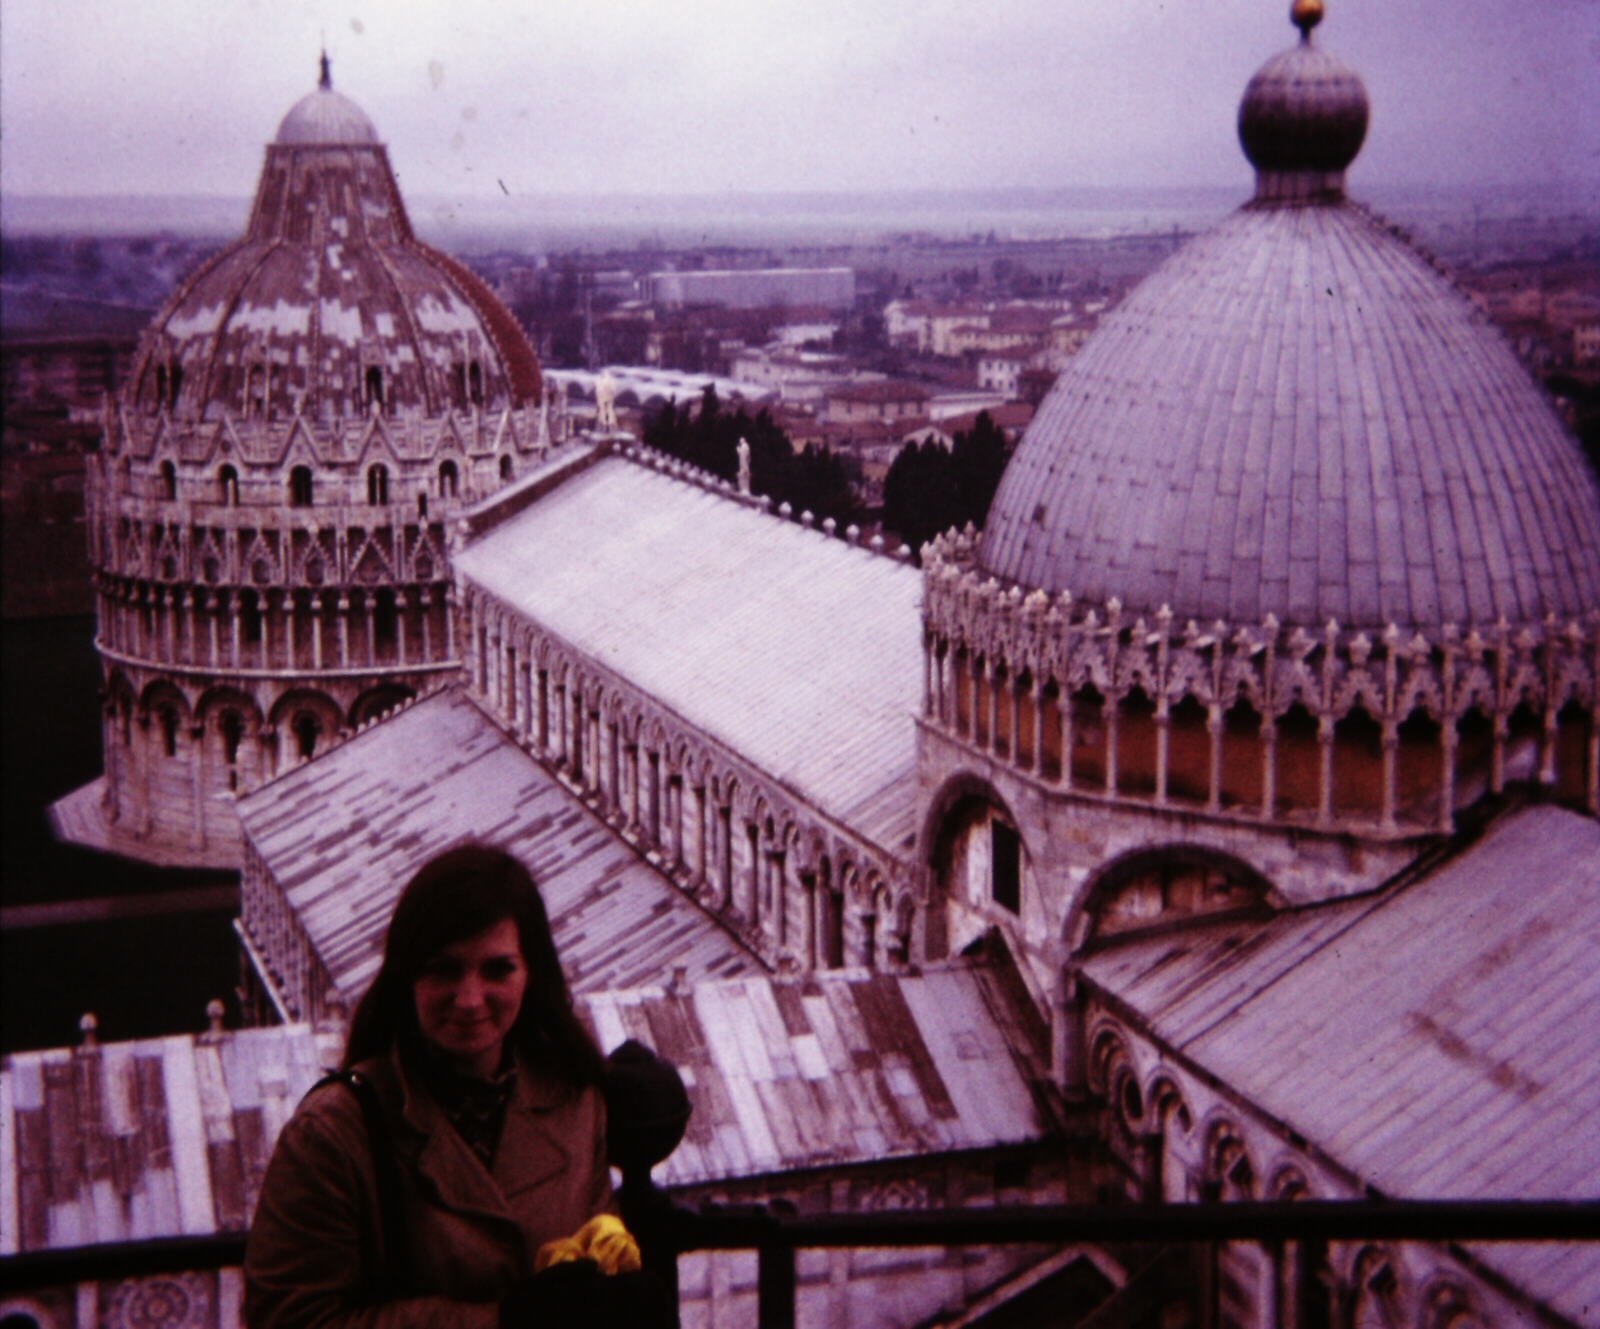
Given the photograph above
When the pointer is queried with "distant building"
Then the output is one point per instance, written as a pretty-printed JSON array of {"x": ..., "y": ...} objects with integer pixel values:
[
  {"x": 883, "y": 401},
  {"x": 754, "y": 288}
]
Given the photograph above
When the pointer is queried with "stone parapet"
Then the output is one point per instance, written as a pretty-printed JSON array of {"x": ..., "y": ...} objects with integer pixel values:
[{"x": 1376, "y": 734}]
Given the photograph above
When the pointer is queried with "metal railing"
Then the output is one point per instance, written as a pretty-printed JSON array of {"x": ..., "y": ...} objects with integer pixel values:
[{"x": 776, "y": 1236}]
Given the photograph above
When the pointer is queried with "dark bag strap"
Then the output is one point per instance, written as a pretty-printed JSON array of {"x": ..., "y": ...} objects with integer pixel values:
[{"x": 387, "y": 1279}]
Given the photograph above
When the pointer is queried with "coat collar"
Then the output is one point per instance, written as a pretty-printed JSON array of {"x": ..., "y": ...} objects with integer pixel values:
[{"x": 529, "y": 1154}]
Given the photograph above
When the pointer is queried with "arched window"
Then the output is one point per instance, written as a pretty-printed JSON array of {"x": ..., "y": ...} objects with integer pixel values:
[
  {"x": 231, "y": 727},
  {"x": 176, "y": 382},
  {"x": 167, "y": 717},
  {"x": 1005, "y": 858},
  {"x": 505, "y": 467},
  {"x": 1171, "y": 884},
  {"x": 475, "y": 383},
  {"x": 300, "y": 487},
  {"x": 374, "y": 382},
  {"x": 169, "y": 481},
  {"x": 306, "y": 729},
  {"x": 378, "y": 485},
  {"x": 449, "y": 479},
  {"x": 161, "y": 385},
  {"x": 250, "y": 618},
  {"x": 228, "y": 478}
]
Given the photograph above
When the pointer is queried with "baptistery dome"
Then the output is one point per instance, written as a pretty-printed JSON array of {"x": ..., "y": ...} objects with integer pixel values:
[
  {"x": 1299, "y": 415},
  {"x": 329, "y": 306},
  {"x": 267, "y": 512}
]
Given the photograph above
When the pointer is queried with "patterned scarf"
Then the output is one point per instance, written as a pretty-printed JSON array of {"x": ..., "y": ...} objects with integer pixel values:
[{"x": 475, "y": 1107}]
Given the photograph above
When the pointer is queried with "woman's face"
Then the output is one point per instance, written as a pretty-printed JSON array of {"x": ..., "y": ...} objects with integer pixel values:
[{"x": 468, "y": 996}]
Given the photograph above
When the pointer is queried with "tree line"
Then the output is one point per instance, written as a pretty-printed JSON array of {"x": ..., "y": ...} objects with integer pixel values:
[
  {"x": 813, "y": 479},
  {"x": 929, "y": 489}
]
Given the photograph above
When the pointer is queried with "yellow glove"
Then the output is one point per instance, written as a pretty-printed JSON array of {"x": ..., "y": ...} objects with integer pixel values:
[
  {"x": 609, "y": 1244},
  {"x": 602, "y": 1239},
  {"x": 563, "y": 1250}
]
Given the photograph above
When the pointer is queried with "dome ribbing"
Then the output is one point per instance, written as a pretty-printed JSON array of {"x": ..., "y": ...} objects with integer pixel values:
[
  {"x": 329, "y": 305},
  {"x": 1298, "y": 415}
]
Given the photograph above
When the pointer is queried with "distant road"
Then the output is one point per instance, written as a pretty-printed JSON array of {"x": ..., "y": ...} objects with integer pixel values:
[{"x": 104, "y": 908}]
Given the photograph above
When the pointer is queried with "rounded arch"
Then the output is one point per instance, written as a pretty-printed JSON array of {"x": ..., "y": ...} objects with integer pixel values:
[
  {"x": 217, "y": 699},
  {"x": 960, "y": 786},
  {"x": 164, "y": 692},
  {"x": 1288, "y": 1182},
  {"x": 375, "y": 701},
  {"x": 1108, "y": 1048},
  {"x": 1375, "y": 1295},
  {"x": 1229, "y": 1172},
  {"x": 1166, "y": 1100},
  {"x": 1156, "y": 886},
  {"x": 292, "y": 709},
  {"x": 1448, "y": 1303}
]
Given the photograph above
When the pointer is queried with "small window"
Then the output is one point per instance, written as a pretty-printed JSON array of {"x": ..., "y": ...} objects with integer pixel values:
[
  {"x": 475, "y": 383},
  {"x": 307, "y": 729},
  {"x": 168, "y": 719},
  {"x": 374, "y": 385},
  {"x": 169, "y": 480},
  {"x": 505, "y": 467},
  {"x": 176, "y": 382},
  {"x": 1006, "y": 849},
  {"x": 449, "y": 481},
  {"x": 228, "y": 478},
  {"x": 378, "y": 485},
  {"x": 231, "y": 726},
  {"x": 250, "y": 618},
  {"x": 161, "y": 385},
  {"x": 422, "y": 505},
  {"x": 300, "y": 487}
]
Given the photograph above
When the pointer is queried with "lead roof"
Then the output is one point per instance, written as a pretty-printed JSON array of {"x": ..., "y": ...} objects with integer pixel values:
[{"x": 1298, "y": 415}]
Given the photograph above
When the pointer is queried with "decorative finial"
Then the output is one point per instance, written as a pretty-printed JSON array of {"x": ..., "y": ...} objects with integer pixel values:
[
  {"x": 1305, "y": 15},
  {"x": 326, "y": 81}
]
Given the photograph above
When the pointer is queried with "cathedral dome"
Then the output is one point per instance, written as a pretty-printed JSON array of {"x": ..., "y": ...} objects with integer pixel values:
[
  {"x": 329, "y": 306},
  {"x": 1298, "y": 415}
]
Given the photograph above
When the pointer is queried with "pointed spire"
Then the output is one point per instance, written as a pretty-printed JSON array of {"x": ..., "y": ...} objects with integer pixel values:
[{"x": 325, "y": 82}]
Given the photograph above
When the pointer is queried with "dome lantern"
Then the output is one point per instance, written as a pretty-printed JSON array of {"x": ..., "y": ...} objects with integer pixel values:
[{"x": 1302, "y": 119}]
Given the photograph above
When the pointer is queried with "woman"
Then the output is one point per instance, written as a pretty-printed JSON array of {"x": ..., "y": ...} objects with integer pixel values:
[{"x": 419, "y": 1190}]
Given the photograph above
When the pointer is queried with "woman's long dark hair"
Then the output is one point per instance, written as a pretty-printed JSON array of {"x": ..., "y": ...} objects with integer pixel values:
[{"x": 458, "y": 894}]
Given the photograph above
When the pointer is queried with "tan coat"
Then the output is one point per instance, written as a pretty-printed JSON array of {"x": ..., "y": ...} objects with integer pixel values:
[{"x": 317, "y": 1234}]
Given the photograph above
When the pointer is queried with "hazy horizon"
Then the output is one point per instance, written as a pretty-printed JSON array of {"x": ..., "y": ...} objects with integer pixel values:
[{"x": 713, "y": 98}]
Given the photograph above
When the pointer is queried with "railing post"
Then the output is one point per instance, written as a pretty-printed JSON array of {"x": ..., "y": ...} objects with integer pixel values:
[{"x": 775, "y": 1284}]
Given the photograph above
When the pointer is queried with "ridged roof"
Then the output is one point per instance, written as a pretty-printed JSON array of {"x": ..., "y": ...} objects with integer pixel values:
[
  {"x": 327, "y": 285},
  {"x": 1298, "y": 414}
]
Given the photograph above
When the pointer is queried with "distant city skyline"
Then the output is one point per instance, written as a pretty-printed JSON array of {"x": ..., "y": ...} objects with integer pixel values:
[{"x": 99, "y": 97}]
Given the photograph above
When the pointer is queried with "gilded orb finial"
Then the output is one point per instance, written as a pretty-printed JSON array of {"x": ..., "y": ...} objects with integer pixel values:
[{"x": 1305, "y": 15}]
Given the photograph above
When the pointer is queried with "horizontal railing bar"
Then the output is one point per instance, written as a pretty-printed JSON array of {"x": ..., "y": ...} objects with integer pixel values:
[
  {"x": 1244, "y": 1220},
  {"x": 745, "y": 1228}
]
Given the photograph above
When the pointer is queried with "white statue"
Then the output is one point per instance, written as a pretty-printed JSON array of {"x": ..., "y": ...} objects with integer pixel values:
[
  {"x": 744, "y": 466},
  {"x": 605, "y": 403}
]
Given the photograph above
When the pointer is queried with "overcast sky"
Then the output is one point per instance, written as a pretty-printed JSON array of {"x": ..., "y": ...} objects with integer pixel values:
[{"x": 706, "y": 96}]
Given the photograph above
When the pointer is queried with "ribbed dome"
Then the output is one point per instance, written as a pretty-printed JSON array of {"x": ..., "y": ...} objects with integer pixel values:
[
  {"x": 326, "y": 116},
  {"x": 329, "y": 305},
  {"x": 1297, "y": 414},
  {"x": 1304, "y": 112}
]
